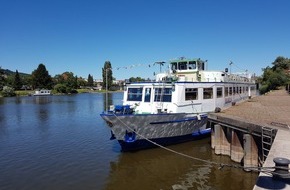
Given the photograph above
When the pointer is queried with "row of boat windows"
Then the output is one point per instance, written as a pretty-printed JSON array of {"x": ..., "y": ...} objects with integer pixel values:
[
  {"x": 165, "y": 94},
  {"x": 192, "y": 93},
  {"x": 160, "y": 95}
]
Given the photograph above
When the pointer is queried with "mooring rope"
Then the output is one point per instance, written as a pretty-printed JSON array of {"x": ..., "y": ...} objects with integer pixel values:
[{"x": 266, "y": 170}]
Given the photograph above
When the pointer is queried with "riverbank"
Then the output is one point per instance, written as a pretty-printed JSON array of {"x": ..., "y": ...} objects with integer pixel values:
[{"x": 30, "y": 92}]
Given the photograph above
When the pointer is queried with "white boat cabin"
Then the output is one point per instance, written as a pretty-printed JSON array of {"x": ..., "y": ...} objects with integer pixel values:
[
  {"x": 188, "y": 88},
  {"x": 42, "y": 92}
]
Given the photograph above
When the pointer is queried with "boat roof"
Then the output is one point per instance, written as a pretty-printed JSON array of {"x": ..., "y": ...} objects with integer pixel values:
[{"x": 182, "y": 59}]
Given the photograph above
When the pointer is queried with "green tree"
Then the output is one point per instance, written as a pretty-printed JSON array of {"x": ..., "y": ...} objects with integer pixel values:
[
  {"x": 82, "y": 82},
  {"x": 107, "y": 75},
  {"x": 26, "y": 81},
  {"x": 281, "y": 63},
  {"x": 41, "y": 78},
  {"x": 276, "y": 76},
  {"x": 65, "y": 83},
  {"x": 58, "y": 79},
  {"x": 137, "y": 79},
  {"x": 90, "y": 81},
  {"x": 9, "y": 80},
  {"x": 17, "y": 82},
  {"x": 2, "y": 79},
  {"x": 70, "y": 80}
]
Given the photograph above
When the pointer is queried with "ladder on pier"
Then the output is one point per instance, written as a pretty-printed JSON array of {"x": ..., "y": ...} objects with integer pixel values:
[{"x": 267, "y": 137}]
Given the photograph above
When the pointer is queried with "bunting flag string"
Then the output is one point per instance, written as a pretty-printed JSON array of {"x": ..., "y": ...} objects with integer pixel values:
[
  {"x": 135, "y": 65},
  {"x": 239, "y": 68}
]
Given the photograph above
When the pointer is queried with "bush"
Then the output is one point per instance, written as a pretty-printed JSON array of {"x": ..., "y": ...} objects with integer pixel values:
[
  {"x": 60, "y": 88},
  {"x": 8, "y": 91},
  {"x": 74, "y": 91},
  {"x": 264, "y": 88}
]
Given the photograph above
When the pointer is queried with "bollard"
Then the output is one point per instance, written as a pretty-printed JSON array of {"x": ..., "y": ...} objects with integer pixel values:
[{"x": 281, "y": 168}]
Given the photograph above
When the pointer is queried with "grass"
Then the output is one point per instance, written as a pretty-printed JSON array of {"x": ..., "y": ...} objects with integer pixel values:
[
  {"x": 83, "y": 90},
  {"x": 23, "y": 92},
  {"x": 29, "y": 92}
]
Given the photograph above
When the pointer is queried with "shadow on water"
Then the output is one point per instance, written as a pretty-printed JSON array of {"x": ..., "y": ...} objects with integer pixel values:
[{"x": 160, "y": 169}]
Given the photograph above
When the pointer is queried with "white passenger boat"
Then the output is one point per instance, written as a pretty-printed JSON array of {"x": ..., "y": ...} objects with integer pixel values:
[
  {"x": 42, "y": 92},
  {"x": 174, "y": 107}
]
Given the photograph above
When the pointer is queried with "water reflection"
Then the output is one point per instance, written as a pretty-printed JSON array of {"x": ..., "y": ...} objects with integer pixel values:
[
  {"x": 160, "y": 169},
  {"x": 110, "y": 100},
  {"x": 1, "y": 100},
  {"x": 42, "y": 99},
  {"x": 43, "y": 105}
]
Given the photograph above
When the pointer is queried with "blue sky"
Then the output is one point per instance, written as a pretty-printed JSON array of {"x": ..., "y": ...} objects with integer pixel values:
[{"x": 80, "y": 35}]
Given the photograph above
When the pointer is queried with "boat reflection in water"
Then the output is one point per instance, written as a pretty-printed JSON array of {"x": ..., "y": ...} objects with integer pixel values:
[{"x": 161, "y": 169}]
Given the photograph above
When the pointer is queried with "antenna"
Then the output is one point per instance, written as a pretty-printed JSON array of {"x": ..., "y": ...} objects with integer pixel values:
[
  {"x": 161, "y": 63},
  {"x": 231, "y": 66}
]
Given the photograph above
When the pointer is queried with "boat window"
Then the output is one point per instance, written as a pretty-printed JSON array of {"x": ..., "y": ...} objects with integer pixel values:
[
  {"x": 234, "y": 90},
  {"x": 200, "y": 66},
  {"x": 231, "y": 90},
  {"x": 182, "y": 65},
  {"x": 207, "y": 93},
  {"x": 147, "y": 94},
  {"x": 219, "y": 92},
  {"x": 240, "y": 90},
  {"x": 226, "y": 91},
  {"x": 192, "y": 65},
  {"x": 173, "y": 66},
  {"x": 134, "y": 94},
  {"x": 191, "y": 94},
  {"x": 162, "y": 94}
]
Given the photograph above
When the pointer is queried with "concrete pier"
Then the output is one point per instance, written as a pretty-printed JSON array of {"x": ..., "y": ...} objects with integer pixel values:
[
  {"x": 237, "y": 151},
  {"x": 240, "y": 127},
  {"x": 250, "y": 153},
  {"x": 222, "y": 146}
]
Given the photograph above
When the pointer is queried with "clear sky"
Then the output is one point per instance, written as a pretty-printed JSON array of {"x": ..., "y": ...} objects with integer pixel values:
[{"x": 80, "y": 35}]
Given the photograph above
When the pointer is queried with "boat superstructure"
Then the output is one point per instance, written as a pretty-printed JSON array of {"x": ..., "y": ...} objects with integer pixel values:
[
  {"x": 174, "y": 107},
  {"x": 42, "y": 92}
]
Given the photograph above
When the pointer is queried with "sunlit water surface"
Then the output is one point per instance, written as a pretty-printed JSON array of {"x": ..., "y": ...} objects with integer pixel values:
[{"x": 61, "y": 142}]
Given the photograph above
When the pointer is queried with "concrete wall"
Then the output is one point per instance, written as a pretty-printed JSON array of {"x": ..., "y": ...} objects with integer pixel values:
[{"x": 227, "y": 141}]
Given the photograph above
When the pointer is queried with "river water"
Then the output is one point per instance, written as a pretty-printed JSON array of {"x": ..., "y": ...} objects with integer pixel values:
[{"x": 61, "y": 142}]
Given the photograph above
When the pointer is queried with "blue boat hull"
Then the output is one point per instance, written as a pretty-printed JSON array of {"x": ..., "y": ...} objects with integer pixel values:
[
  {"x": 145, "y": 144},
  {"x": 135, "y": 131}
]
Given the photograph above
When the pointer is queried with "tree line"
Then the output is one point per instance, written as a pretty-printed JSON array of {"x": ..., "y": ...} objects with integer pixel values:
[
  {"x": 40, "y": 78},
  {"x": 272, "y": 78}
]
